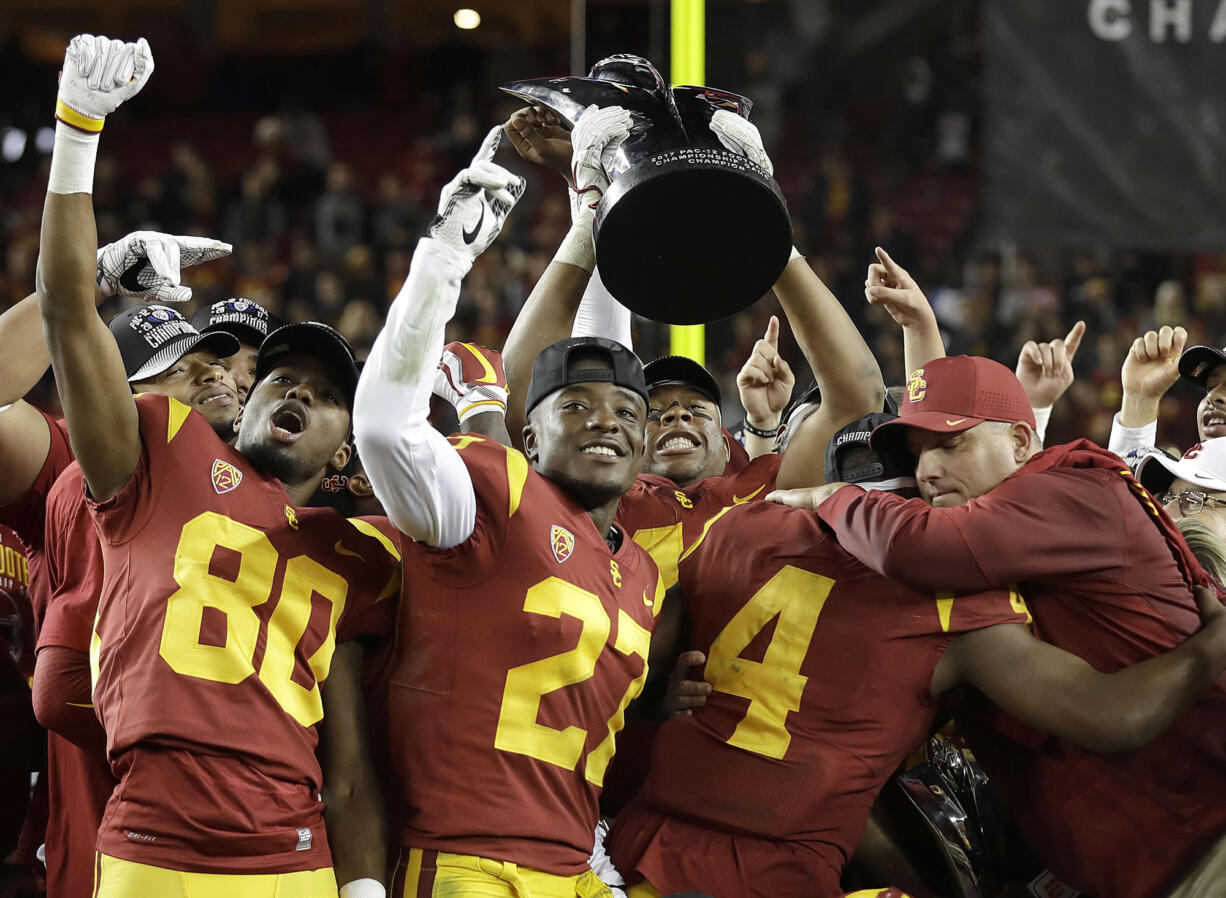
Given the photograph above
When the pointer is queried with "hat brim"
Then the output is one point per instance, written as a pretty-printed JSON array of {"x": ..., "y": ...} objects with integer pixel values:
[
  {"x": 893, "y": 434},
  {"x": 1197, "y": 361},
  {"x": 225, "y": 345},
  {"x": 679, "y": 369},
  {"x": 306, "y": 338},
  {"x": 1156, "y": 473},
  {"x": 246, "y": 334}
]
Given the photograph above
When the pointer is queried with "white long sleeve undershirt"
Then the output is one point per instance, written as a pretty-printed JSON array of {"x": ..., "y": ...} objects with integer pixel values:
[
  {"x": 416, "y": 473},
  {"x": 1131, "y": 443},
  {"x": 600, "y": 315}
]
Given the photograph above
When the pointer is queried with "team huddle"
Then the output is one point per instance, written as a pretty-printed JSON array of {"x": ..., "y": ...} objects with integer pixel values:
[{"x": 297, "y": 638}]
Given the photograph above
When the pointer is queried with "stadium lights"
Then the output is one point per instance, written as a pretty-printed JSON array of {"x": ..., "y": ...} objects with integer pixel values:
[
  {"x": 12, "y": 144},
  {"x": 467, "y": 19}
]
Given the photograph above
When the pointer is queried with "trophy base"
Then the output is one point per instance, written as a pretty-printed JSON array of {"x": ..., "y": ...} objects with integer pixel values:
[{"x": 692, "y": 235}]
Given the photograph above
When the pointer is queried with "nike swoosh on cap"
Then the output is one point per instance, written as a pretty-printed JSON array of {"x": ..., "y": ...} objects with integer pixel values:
[{"x": 954, "y": 422}]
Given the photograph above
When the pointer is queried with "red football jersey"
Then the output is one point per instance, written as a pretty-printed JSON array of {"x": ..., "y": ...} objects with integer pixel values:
[
  {"x": 27, "y": 515},
  {"x": 1106, "y": 578},
  {"x": 16, "y": 614},
  {"x": 665, "y": 519},
  {"x": 821, "y": 673},
  {"x": 220, "y": 608},
  {"x": 519, "y": 650}
]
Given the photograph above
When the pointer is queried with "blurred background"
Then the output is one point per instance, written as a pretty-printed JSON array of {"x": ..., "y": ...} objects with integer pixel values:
[{"x": 1030, "y": 163}]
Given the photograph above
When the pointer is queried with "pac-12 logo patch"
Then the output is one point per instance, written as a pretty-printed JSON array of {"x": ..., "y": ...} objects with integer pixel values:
[
  {"x": 225, "y": 476},
  {"x": 562, "y": 541}
]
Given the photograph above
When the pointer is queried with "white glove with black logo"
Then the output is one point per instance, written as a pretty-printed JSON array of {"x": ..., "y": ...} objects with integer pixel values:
[
  {"x": 100, "y": 74},
  {"x": 597, "y": 136},
  {"x": 146, "y": 264},
  {"x": 476, "y": 202},
  {"x": 741, "y": 136}
]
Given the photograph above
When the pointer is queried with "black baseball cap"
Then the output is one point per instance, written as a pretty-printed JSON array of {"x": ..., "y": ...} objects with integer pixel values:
[
  {"x": 314, "y": 339},
  {"x": 680, "y": 369},
  {"x": 153, "y": 337},
  {"x": 245, "y": 319},
  {"x": 551, "y": 370},
  {"x": 1197, "y": 361},
  {"x": 851, "y": 459}
]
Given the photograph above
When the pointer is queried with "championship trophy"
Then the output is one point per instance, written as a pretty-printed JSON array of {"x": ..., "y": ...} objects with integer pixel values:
[{"x": 688, "y": 231}]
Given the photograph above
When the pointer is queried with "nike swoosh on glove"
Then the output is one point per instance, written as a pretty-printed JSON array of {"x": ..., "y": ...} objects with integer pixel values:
[
  {"x": 474, "y": 205},
  {"x": 147, "y": 264}
]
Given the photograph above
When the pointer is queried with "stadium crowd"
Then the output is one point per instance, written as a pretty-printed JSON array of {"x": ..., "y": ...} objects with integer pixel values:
[{"x": 285, "y": 635}]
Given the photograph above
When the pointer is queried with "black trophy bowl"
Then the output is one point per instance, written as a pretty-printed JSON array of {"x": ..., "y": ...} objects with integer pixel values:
[{"x": 688, "y": 231}]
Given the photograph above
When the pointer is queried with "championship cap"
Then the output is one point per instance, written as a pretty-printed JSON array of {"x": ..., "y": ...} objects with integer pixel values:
[
  {"x": 314, "y": 339},
  {"x": 551, "y": 370},
  {"x": 1197, "y": 361},
  {"x": 954, "y": 394},
  {"x": 1204, "y": 465},
  {"x": 247, "y": 320},
  {"x": 153, "y": 337},
  {"x": 851, "y": 459},
  {"x": 680, "y": 369}
]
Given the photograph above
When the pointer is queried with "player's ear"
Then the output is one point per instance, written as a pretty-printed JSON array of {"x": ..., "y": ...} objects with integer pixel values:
[
  {"x": 341, "y": 457},
  {"x": 359, "y": 487},
  {"x": 1025, "y": 442},
  {"x": 530, "y": 448},
  {"x": 238, "y": 419},
  {"x": 727, "y": 448}
]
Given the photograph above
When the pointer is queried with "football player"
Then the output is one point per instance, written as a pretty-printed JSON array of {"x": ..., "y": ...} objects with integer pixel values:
[
  {"x": 208, "y": 654},
  {"x": 1107, "y": 577},
  {"x": 824, "y": 675},
  {"x": 246, "y": 320},
  {"x": 527, "y": 613}
]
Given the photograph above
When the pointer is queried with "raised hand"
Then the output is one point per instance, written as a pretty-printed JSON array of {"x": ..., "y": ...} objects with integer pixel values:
[
  {"x": 597, "y": 136},
  {"x": 1046, "y": 369},
  {"x": 1152, "y": 364},
  {"x": 99, "y": 74},
  {"x": 471, "y": 378},
  {"x": 890, "y": 286},
  {"x": 474, "y": 205},
  {"x": 146, "y": 264},
  {"x": 539, "y": 136},
  {"x": 765, "y": 381},
  {"x": 741, "y": 136}
]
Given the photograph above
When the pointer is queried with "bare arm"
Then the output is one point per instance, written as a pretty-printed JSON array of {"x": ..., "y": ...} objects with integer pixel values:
[
  {"x": 1059, "y": 693},
  {"x": 98, "y": 405},
  {"x": 847, "y": 374},
  {"x": 24, "y": 442},
  {"x": 353, "y": 809},
  {"x": 765, "y": 384}
]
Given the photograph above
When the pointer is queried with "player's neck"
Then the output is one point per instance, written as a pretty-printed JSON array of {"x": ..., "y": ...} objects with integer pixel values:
[
  {"x": 301, "y": 493},
  {"x": 603, "y": 516}
]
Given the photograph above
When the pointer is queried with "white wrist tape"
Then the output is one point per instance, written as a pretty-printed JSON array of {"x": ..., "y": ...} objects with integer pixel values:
[
  {"x": 363, "y": 888},
  {"x": 1041, "y": 417},
  {"x": 579, "y": 247},
  {"x": 72, "y": 161}
]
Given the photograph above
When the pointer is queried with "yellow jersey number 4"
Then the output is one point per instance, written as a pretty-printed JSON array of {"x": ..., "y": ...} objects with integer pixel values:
[{"x": 774, "y": 685}]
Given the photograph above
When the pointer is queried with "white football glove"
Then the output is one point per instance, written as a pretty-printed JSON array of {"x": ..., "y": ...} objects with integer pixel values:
[
  {"x": 146, "y": 264},
  {"x": 741, "y": 137},
  {"x": 475, "y": 203},
  {"x": 99, "y": 74},
  {"x": 595, "y": 140},
  {"x": 471, "y": 378}
]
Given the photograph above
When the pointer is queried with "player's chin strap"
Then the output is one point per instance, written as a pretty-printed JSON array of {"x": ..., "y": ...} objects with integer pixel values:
[{"x": 363, "y": 888}]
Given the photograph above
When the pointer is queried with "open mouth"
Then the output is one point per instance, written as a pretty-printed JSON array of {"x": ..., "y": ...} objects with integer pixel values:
[
  {"x": 287, "y": 424},
  {"x": 676, "y": 444},
  {"x": 1216, "y": 421}
]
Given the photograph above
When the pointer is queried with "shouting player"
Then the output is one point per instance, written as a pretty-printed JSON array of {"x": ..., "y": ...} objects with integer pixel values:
[
  {"x": 222, "y": 604},
  {"x": 527, "y": 613}
]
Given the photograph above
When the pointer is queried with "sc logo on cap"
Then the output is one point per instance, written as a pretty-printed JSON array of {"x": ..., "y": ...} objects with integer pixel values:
[{"x": 917, "y": 387}]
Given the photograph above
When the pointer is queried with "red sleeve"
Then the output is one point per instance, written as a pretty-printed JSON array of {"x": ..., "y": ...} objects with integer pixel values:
[
  {"x": 26, "y": 516},
  {"x": 63, "y": 700},
  {"x": 1033, "y": 526},
  {"x": 73, "y": 568}
]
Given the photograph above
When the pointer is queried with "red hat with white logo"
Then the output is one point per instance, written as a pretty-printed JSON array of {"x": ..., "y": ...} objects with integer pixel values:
[{"x": 954, "y": 394}]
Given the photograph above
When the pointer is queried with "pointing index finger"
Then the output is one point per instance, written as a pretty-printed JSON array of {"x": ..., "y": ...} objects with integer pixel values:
[
  {"x": 772, "y": 331},
  {"x": 489, "y": 146},
  {"x": 1073, "y": 339}
]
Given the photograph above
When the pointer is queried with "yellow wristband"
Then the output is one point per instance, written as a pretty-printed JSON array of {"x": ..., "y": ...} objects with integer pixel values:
[{"x": 70, "y": 116}]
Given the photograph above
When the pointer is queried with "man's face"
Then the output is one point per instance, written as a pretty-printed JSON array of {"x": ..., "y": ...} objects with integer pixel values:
[
  {"x": 241, "y": 366},
  {"x": 1211, "y": 413},
  {"x": 201, "y": 382},
  {"x": 1212, "y": 513},
  {"x": 296, "y": 421},
  {"x": 588, "y": 438},
  {"x": 953, "y": 468},
  {"x": 685, "y": 442}
]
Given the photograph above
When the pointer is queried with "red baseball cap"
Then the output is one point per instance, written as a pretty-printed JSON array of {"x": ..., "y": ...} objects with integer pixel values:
[{"x": 954, "y": 394}]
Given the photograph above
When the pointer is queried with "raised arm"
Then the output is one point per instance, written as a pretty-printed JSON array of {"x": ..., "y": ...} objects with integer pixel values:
[
  {"x": 549, "y": 313},
  {"x": 417, "y": 475},
  {"x": 764, "y": 384},
  {"x": 1059, "y": 693},
  {"x": 1149, "y": 370},
  {"x": 99, "y": 74},
  {"x": 1046, "y": 372}
]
